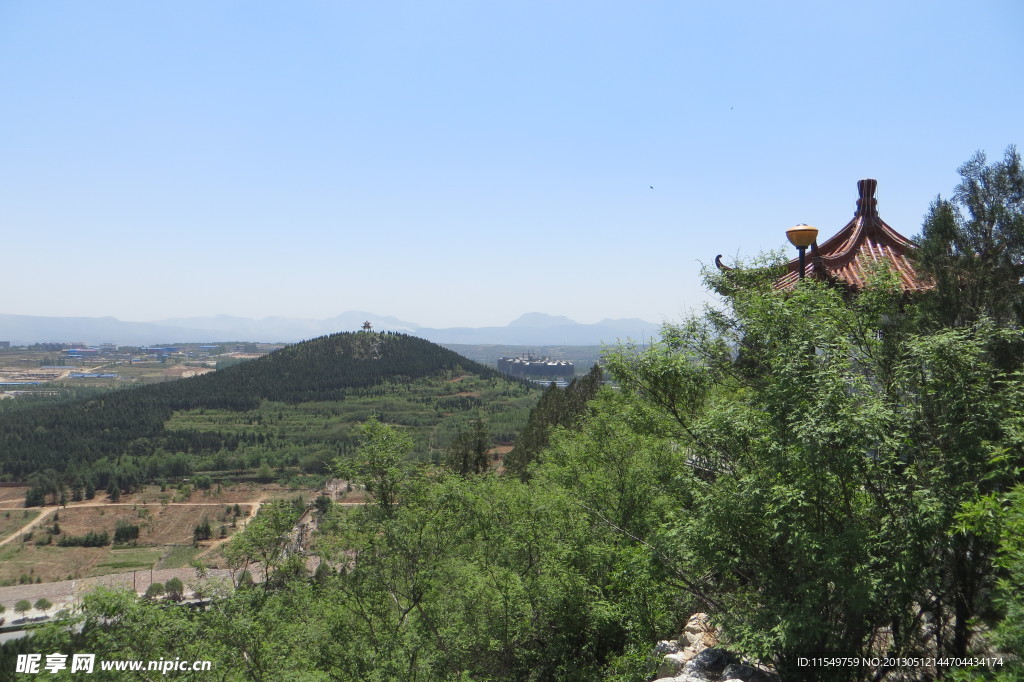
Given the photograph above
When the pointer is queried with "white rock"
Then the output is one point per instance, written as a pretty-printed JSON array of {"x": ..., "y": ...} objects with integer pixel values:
[
  {"x": 671, "y": 665},
  {"x": 666, "y": 646}
]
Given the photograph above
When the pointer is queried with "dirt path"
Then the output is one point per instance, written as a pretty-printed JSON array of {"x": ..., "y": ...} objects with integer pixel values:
[
  {"x": 254, "y": 507},
  {"x": 64, "y": 593},
  {"x": 28, "y": 526},
  {"x": 49, "y": 510}
]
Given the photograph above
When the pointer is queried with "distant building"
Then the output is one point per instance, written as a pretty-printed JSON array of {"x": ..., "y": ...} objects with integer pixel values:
[
  {"x": 150, "y": 350},
  {"x": 534, "y": 368},
  {"x": 82, "y": 352},
  {"x": 5, "y": 344}
]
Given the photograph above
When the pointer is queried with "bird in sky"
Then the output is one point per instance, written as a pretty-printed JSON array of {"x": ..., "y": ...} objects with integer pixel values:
[{"x": 652, "y": 186}]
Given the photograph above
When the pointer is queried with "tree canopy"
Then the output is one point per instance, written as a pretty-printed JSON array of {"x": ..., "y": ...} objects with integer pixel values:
[
  {"x": 972, "y": 245},
  {"x": 821, "y": 473}
]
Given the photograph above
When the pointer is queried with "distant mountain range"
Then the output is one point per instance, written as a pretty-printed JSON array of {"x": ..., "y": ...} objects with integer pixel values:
[{"x": 530, "y": 329}]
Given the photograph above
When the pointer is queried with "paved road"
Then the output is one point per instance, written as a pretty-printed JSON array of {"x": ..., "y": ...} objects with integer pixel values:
[{"x": 64, "y": 593}]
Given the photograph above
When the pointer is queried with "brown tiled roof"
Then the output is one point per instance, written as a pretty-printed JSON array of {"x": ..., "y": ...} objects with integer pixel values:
[{"x": 867, "y": 239}]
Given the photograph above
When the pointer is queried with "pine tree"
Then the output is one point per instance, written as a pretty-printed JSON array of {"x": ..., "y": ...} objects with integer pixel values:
[{"x": 972, "y": 246}]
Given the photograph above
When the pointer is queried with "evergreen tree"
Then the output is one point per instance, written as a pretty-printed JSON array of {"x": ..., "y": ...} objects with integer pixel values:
[
  {"x": 468, "y": 452},
  {"x": 202, "y": 530},
  {"x": 380, "y": 464},
  {"x": 972, "y": 246},
  {"x": 125, "y": 532},
  {"x": 557, "y": 407},
  {"x": 35, "y": 497}
]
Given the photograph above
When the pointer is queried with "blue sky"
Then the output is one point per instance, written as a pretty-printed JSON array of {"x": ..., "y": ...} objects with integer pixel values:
[{"x": 461, "y": 163}]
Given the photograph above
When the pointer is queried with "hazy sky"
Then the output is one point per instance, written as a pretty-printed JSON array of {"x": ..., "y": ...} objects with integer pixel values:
[{"x": 461, "y": 163}]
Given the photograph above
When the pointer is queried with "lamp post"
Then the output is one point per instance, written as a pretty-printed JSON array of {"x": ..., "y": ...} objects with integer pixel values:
[{"x": 801, "y": 237}]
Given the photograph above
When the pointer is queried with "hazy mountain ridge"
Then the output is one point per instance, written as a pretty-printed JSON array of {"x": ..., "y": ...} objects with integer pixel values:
[
  {"x": 529, "y": 329},
  {"x": 27, "y": 329}
]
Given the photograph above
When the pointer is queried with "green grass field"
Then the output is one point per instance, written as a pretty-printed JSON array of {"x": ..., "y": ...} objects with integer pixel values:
[
  {"x": 178, "y": 556},
  {"x": 126, "y": 558},
  {"x": 13, "y": 519}
]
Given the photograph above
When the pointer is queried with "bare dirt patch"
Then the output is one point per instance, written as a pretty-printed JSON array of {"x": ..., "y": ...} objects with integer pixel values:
[
  {"x": 238, "y": 492},
  {"x": 158, "y": 524},
  {"x": 165, "y": 530},
  {"x": 13, "y": 496}
]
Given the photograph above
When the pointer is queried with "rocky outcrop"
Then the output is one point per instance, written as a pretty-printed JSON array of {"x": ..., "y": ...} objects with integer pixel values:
[{"x": 696, "y": 657}]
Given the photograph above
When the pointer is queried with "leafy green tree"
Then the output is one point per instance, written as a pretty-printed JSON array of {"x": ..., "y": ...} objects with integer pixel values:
[
  {"x": 154, "y": 590},
  {"x": 22, "y": 606},
  {"x": 43, "y": 604},
  {"x": 1000, "y": 517},
  {"x": 483, "y": 577},
  {"x": 175, "y": 589},
  {"x": 110, "y": 621},
  {"x": 265, "y": 473},
  {"x": 972, "y": 246},
  {"x": 263, "y": 540},
  {"x": 380, "y": 464},
  {"x": 245, "y": 579},
  {"x": 621, "y": 478},
  {"x": 826, "y": 463}
]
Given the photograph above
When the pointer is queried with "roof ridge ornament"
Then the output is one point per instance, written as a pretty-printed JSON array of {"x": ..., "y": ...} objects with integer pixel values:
[{"x": 867, "y": 205}]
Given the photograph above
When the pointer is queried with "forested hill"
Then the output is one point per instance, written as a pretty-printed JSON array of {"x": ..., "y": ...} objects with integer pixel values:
[{"x": 131, "y": 421}]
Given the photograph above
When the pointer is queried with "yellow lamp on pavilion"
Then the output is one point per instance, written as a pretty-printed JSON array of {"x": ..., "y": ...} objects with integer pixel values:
[{"x": 801, "y": 237}]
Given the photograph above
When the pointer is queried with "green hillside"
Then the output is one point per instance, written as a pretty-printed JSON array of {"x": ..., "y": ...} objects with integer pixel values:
[{"x": 292, "y": 408}]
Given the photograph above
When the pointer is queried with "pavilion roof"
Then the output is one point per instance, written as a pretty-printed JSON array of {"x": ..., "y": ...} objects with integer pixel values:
[{"x": 847, "y": 256}]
